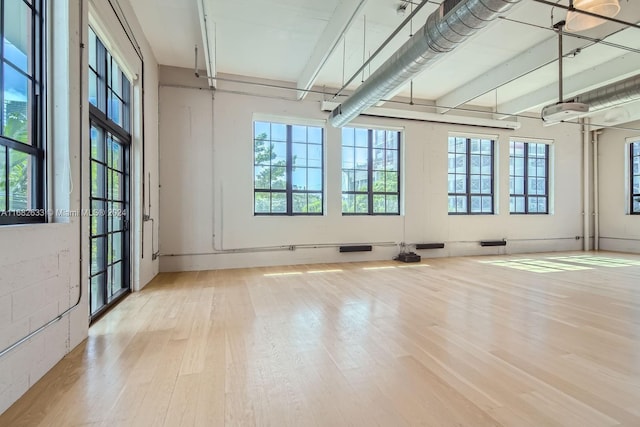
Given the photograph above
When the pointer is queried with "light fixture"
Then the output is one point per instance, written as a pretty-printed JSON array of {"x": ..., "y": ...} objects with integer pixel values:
[{"x": 577, "y": 21}]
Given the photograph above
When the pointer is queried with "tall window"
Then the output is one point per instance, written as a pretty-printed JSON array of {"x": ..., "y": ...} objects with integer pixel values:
[
  {"x": 288, "y": 169},
  {"x": 21, "y": 112},
  {"x": 528, "y": 177},
  {"x": 635, "y": 177},
  {"x": 110, "y": 121},
  {"x": 370, "y": 171},
  {"x": 470, "y": 175}
]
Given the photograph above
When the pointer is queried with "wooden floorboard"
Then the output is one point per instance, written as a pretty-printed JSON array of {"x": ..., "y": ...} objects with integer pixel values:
[{"x": 521, "y": 340}]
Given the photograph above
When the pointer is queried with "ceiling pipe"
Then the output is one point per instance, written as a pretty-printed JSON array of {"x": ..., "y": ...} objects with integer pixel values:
[
  {"x": 612, "y": 95},
  {"x": 445, "y": 29}
]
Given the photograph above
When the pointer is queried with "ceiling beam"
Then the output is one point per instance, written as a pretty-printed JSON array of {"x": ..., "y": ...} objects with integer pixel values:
[
  {"x": 343, "y": 17},
  {"x": 530, "y": 60},
  {"x": 207, "y": 28},
  {"x": 616, "y": 69}
]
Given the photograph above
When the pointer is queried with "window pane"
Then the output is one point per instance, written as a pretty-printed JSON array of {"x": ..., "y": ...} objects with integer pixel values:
[
  {"x": 378, "y": 182},
  {"x": 348, "y": 203},
  {"x": 278, "y": 132},
  {"x": 299, "y": 134},
  {"x": 392, "y": 204},
  {"x": 314, "y": 201},
  {"x": 391, "y": 182},
  {"x": 452, "y": 204},
  {"x": 475, "y": 164},
  {"x": 461, "y": 164},
  {"x": 461, "y": 184},
  {"x": 92, "y": 49},
  {"x": 348, "y": 180},
  {"x": 262, "y": 202},
  {"x": 262, "y": 178},
  {"x": 378, "y": 159},
  {"x": 278, "y": 178},
  {"x": 97, "y": 254},
  {"x": 348, "y": 158},
  {"x": 279, "y": 155},
  {"x": 314, "y": 156},
  {"x": 97, "y": 183},
  {"x": 300, "y": 202},
  {"x": 19, "y": 180},
  {"x": 461, "y": 204},
  {"x": 299, "y": 154},
  {"x": 475, "y": 184},
  {"x": 17, "y": 98},
  {"x": 17, "y": 35},
  {"x": 97, "y": 221},
  {"x": 314, "y": 135},
  {"x": 93, "y": 88},
  {"x": 486, "y": 146},
  {"x": 379, "y": 139},
  {"x": 379, "y": 204},
  {"x": 487, "y": 204},
  {"x": 451, "y": 183},
  {"x": 636, "y": 184},
  {"x": 486, "y": 185},
  {"x": 361, "y": 137},
  {"x": 392, "y": 140},
  {"x": 348, "y": 137},
  {"x": 278, "y": 203},
  {"x": 476, "y": 204},
  {"x": 262, "y": 131},
  {"x": 362, "y": 203},
  {"x": 362, "y": 158},
  {"x": 486, "y": 165},
  {"x": 299, "y": 179},
  {"x": 314, "y": 181}
]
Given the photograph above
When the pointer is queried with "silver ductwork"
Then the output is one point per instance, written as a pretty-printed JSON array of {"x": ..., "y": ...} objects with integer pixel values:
[
  {"x": 618, "y": 93},
  {"x": 446, "y": 28}
]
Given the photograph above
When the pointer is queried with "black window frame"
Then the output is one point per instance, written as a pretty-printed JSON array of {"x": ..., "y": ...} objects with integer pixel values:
[
  {"x": 526, "y": 175},
  {"x": 371, "y": 193},
  {"x": 289, "y": 191},
  {"x": 467, "y": 194},
  {"x": 36, "y": 149},
  {"x": 632, "y": 175}
]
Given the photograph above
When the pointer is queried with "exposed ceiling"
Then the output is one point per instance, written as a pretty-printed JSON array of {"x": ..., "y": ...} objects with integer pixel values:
[{"x": 509, "y": 67}]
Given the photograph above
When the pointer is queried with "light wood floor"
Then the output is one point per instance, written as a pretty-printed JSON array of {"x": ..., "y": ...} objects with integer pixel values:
[{"x": 490, "y": 341}]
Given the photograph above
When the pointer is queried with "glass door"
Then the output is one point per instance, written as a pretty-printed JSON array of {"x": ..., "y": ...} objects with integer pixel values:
[{"x": 110, "y": 276}]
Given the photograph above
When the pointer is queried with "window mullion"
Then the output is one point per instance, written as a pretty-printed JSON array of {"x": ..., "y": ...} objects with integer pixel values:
[
  {"x": 469, "y": 192},
  {"x": 289, "y": 167},
  {"x": 370, "y": 170},
  {"x": 526, "y": 178}
]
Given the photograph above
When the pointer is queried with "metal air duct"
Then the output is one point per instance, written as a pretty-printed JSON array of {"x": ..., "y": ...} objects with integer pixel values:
[
  {"x": 621, "y": 92},
  {"x": 446, "y": 28}
]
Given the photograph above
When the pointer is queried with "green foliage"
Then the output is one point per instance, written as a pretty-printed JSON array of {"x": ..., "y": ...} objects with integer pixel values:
[{"x": 16, "y": 129}]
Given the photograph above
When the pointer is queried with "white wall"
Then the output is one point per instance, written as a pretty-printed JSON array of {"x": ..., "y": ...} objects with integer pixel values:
[
  {"x": 207, "y": 191},
  {"x": 40, "y": 270},
  {"x": 619, "y": 231}
]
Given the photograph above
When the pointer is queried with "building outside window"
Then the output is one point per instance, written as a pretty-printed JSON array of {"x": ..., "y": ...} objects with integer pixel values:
[
  {"x": 528, "y": 177},
  {"x": 471, "y": 175},
  {"x": 22, "y": 159},
  {"x": 288, "y": 169},
  {"x": 370, "y": 171}
]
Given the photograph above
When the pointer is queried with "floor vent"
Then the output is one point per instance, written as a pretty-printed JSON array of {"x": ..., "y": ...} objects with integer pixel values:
[
  {"x": 361, "y": 248},
  {"x": 493, "y": 243},
  {"x": 429, "y": 245}
]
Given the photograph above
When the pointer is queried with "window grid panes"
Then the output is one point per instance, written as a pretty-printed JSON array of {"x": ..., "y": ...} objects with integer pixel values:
[
  {"x": 109, "y": 88},
  {"x": 635, "y": 178},
  {"x": 470, "y": 178},
  {"x": 288, "y": 169},
  {"x": 370, "y": 171},
  {"x": 21, "y": 112},
  {"x": 528, "y": 177}
]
